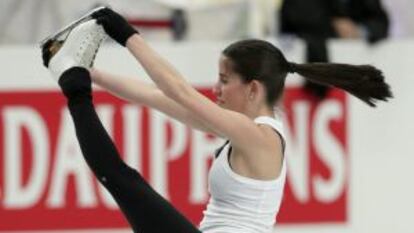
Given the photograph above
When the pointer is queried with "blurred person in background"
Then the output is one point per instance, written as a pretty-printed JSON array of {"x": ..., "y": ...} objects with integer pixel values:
[
  {"x": 247, "y": 177},
  {"x": 316, "y": 21}
]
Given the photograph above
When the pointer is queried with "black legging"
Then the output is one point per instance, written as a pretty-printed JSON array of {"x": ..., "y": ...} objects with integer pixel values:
[{"x": 144, "y": 208}]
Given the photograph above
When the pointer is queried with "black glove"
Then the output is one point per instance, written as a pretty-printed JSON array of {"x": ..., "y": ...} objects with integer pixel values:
[{"x": 115, "y": 25}]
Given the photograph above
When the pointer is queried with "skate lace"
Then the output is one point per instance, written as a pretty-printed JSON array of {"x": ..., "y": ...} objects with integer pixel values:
[{"x": 89, "y": 47}]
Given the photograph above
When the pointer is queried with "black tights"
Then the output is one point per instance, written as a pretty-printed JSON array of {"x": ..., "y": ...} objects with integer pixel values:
[{"x": 144, "y": 208}]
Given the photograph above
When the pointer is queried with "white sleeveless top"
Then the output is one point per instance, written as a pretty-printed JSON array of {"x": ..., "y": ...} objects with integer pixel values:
[{"x": 240, "y": 204}]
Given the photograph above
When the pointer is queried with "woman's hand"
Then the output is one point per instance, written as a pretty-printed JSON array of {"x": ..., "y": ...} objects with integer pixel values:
[{"x": 115, "y": 25}]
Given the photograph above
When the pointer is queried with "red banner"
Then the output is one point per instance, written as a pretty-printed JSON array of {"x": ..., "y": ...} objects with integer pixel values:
[{"x": 45, "y": 184}]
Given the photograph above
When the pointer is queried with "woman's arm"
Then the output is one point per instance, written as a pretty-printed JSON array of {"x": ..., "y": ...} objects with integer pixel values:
[
  {"x": 137, "y": 91},
  {"x": 237, "y": 127}
]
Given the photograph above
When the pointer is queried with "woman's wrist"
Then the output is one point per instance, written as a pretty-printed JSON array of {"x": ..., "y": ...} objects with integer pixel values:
[{"x": 133, "y": 39}]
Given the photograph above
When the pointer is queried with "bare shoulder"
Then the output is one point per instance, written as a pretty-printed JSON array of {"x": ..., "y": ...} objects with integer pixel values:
[
  {"x": 263, "y": 159},
  {"x": 271, "y": 136}
]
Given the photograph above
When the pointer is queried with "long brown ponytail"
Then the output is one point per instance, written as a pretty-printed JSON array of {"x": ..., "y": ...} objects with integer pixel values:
[
  {"x": 261, "y": 60},
  {"x": 363, "y": 81}
]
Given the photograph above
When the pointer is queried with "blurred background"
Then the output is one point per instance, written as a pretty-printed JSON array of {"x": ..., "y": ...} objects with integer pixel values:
[{"x": 349, "y": 166}]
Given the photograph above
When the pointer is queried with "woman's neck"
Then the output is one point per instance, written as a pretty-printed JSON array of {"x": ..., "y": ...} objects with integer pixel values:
[{"x": 262, "y": 111}]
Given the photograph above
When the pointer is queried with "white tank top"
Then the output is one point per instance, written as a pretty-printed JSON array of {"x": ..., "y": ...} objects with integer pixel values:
[{"x": 240, "y": 204}]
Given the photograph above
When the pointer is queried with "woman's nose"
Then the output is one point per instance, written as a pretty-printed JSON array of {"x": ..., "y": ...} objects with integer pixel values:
[{"x": 216, "y": 89}]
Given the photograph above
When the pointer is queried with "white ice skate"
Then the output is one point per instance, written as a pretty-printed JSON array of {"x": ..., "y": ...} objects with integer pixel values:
[{"x": 77, "y": 48}]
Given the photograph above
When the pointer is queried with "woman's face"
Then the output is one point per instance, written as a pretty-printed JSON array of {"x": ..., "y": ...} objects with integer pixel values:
[{"x": 230, "y": 90}]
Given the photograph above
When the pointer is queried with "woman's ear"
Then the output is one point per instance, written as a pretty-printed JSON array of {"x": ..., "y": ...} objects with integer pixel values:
[{"x": 253, "y": 89}]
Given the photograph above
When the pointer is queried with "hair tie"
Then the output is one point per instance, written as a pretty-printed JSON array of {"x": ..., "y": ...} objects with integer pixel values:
[{"x": 292, "y": 67}]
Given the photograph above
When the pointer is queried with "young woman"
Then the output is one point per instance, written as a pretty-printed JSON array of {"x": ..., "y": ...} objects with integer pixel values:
[{"x": 247, "y": 177}]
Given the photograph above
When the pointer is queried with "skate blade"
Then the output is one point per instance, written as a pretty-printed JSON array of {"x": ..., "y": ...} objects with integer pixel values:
[{"x": 69, "y": 27}]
